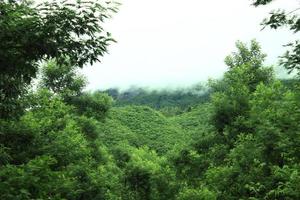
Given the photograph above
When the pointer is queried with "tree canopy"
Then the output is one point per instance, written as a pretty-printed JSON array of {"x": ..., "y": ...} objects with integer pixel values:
[
  {"x": 237, "y": 139},
  {"x": 31, "y": 33}
]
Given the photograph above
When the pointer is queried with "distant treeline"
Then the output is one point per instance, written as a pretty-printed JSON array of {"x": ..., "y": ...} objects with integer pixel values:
[
  {"x": 172, "y": 101},
  {"x": 183, "y": 98}
]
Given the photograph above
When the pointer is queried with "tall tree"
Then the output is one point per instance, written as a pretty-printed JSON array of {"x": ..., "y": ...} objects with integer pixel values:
[
  {"x": 30, "y": 33},
  {"x": 231, "y": 99}
]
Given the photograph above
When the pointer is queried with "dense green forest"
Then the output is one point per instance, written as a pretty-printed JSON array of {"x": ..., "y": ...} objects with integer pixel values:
[
  {"x": 236, "y": 138},
  {"x": 170, "y": 102}
]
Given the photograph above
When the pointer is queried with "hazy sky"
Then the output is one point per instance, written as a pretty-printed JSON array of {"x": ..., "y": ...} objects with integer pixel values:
[{"x": 163, "y": 43}]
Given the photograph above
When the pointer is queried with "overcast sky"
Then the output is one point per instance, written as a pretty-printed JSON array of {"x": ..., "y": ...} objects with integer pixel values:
[{"x": 170, "y": 43}]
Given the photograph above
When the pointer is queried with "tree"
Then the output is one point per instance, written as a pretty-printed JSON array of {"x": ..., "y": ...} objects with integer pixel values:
[
  {"x": 62, "y": 79},
  {"x": 31, "y": 33},
  {"x": 281, "y": 18},
  {"x": 231, "y": 97},
  {"x": 148, "y": 176},
  {"x": 251, "y": 55},
  {"x": 94, "y": 104},
  {"x": 275, "y": 116},
  {"x": 196, "y": 194}
]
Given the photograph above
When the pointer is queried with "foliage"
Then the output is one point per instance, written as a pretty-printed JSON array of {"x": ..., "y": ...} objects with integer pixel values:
[
  {"x": 149, "y": 127},
  {"x": 92, "y": 104},
  {"x": 195, "y": 121},
  {"x": 170, "y": 102},
  {"x": 33, "y": 180},
  {"x": 231, "y": 99},
  {"x": 242, "y": 143},
  {"x": 61, "y": 79},
  {"x": 255, "y": 139},
  {"x": 149, "y": 176},
  {"x": 281, "y": 18},
  {"x": 196, "y": 194},
  {"x": 31, "y": 33},
  {"x": 251, "y": 56}
]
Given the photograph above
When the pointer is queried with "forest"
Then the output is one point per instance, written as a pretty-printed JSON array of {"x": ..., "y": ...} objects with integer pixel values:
[{"x": 237, "y": 137}]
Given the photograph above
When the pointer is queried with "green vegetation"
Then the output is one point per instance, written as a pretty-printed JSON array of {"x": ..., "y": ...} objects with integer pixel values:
[
  {"x": 238, "y": 139},
  {"x": 282, "y": 18},
  {"x": 171, "y": 102}
]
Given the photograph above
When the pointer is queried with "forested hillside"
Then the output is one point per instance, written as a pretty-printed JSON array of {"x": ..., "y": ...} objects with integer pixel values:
[
  {"x": 170, "y": 102},
  {"x": 237, "y": 139}
]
